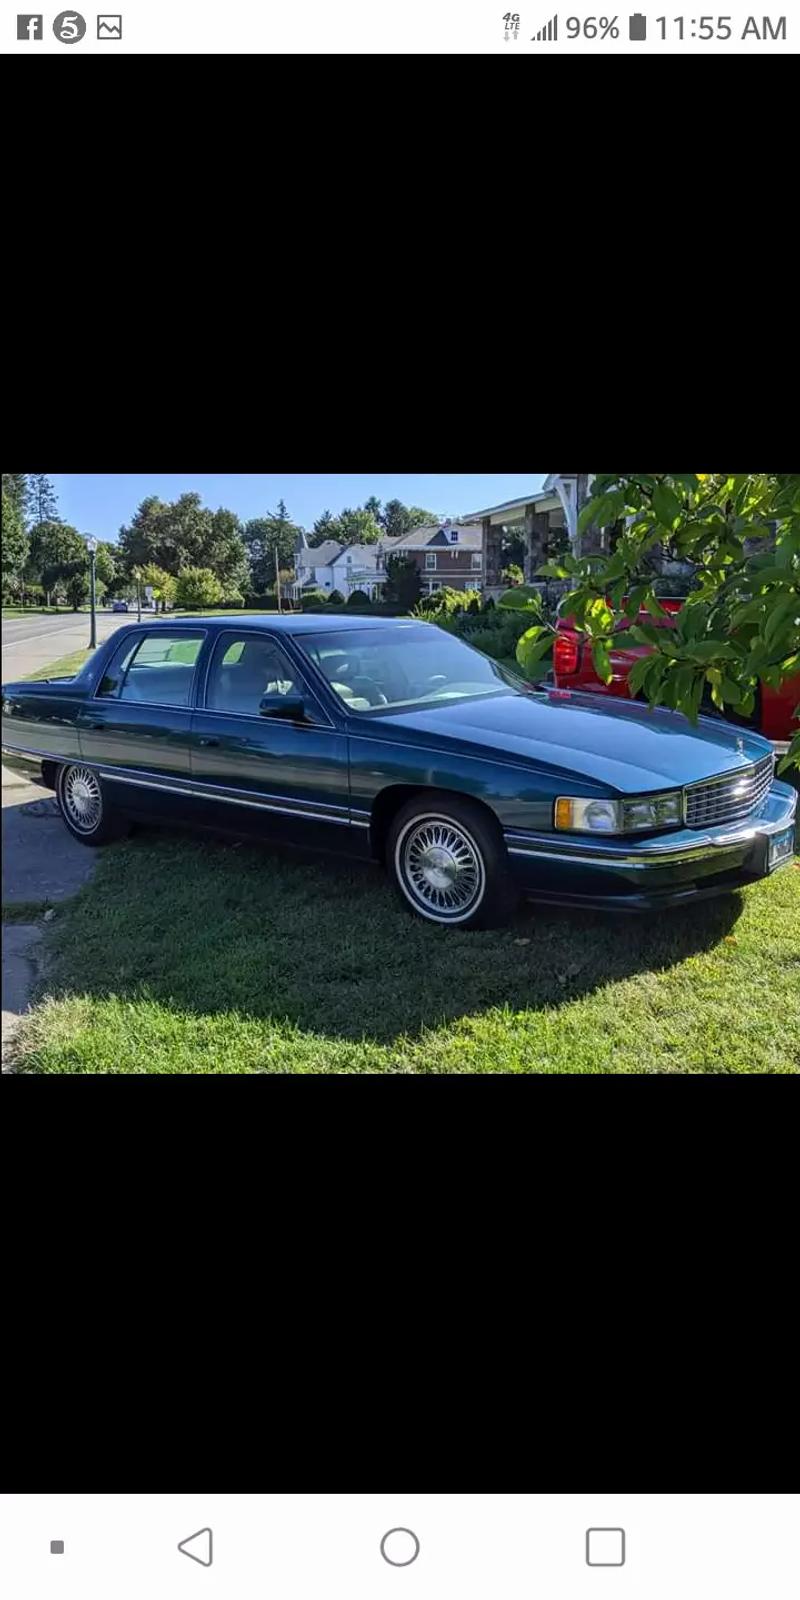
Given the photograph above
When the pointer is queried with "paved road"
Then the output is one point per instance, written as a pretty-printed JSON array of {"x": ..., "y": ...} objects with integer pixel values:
[{"x": 33, "y": 642}]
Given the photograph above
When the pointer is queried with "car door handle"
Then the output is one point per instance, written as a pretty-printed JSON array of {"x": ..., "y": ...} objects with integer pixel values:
[{"x": 208, "y": 741}]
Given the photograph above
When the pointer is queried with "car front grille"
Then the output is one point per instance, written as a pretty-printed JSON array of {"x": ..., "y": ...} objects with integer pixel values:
[{"x": 728, "y": 799}]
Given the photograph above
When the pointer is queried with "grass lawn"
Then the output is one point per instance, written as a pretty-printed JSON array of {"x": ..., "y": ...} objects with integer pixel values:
[
  {"x": 65, "y": 667},
  {"x": 223, "y": 611},
  {"x": 191, "y": 955},
  {"x": 38, "y": 611}
]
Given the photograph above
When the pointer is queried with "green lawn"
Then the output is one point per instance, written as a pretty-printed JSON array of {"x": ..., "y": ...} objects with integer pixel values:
[
  {"x": 190, "y": 955},
  {"x": 38, "y": 611},
  {"x": 222, "y": 611},
  {"x": 65, "y": 667}
]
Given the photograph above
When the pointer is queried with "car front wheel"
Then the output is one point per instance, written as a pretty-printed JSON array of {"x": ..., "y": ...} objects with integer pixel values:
[
  {"x": 449, "y": 862},
  {"x": 85, "y": 808}
]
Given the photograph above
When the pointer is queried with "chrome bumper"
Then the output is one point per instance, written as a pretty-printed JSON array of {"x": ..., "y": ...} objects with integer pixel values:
[{"x": 686, "y": 846}]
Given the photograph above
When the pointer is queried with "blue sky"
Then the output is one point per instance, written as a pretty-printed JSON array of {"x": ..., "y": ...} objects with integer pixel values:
[{"x": 99, "y": 503}]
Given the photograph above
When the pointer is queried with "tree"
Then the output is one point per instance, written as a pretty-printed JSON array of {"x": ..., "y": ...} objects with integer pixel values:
[
  {"x": 141, "y": 542},
  {"x": 107, "y": 568},
  {"x": 197, "y": 586},
  {"x": 162, "y": 583},
  {"x": 56, "y": 553},
  {"x": 373, "y": 506},
  {"x": 357, "y": 527},
  {"x": 262, "y": 537},
  {"x": 15, "y": 540},
  {"x": 738, "y": 628},
  {"x": 182, "y": 534},
  {"x": 324, "y": 528},
  {"x": 402, "y": 586},
  {"x": 76, "y": 585},
  {"x": 398, "y": 519},
  {"x": 42, "y": 500},
  {"x": 420, "y": 518}
]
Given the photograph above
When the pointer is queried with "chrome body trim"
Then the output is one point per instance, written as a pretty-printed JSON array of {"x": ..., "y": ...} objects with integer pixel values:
[
  {"x": 654, "y": 853},
  {"x": 734, "y": 795},
  {"x": 211, "y": 793}
]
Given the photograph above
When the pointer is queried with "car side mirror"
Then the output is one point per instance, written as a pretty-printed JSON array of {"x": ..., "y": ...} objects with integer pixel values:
[{"x": 290, "y": 706}]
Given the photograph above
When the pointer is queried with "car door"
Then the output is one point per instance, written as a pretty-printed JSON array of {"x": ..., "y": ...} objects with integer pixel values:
[
  {"x": 136, "y": 727},
  {"x": 287, "y": 774}
]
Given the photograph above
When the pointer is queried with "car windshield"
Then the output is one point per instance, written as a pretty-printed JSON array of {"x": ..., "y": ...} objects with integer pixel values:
[{"x": 374, "y": 670}]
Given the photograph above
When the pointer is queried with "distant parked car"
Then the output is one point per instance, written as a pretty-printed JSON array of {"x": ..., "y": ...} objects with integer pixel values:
[
  {"x": 396, "y": 740},
  {"x": 119, "y": 605}
]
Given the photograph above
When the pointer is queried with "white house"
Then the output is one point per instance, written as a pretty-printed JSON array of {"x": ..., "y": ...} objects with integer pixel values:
[
  {"x": 358, "y": 566},
  {"x": 312, "y": 567}
]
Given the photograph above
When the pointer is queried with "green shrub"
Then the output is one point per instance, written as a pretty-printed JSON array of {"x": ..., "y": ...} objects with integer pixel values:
[
  {"x": 358, "y": 598},
  {"x": 312, "y": 598},
  {"x": 197, "y": 587},
  {"x": 335, "y": 598},
  {"x": 487, "y": 640},
  {"x": 444, "y": 602}
]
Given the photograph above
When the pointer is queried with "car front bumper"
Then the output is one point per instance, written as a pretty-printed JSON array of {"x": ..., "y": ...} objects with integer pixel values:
[{"x": 666, "y": 869}]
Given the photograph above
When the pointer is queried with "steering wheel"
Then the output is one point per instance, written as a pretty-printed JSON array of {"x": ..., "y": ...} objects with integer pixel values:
[{"x": 367, "y": 689}]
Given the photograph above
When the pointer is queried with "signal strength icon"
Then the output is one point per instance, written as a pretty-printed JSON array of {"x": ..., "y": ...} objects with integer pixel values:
[{"x": 549, "y": 31}]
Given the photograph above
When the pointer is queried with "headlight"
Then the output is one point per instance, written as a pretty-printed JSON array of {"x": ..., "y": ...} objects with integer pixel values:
[{"x": 619, "y": 816}]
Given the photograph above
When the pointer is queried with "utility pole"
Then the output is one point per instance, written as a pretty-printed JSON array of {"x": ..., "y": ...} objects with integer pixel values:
[{"x": 277, "y": 578}]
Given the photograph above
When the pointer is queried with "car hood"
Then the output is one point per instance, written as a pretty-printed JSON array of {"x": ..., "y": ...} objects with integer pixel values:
[{"x": 632, "y": 747}]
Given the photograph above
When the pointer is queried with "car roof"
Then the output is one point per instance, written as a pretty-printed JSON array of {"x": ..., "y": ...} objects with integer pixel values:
[{"x": 297, "y": 622}]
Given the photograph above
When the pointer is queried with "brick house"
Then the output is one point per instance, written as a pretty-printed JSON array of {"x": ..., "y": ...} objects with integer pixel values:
[{"x": 447, "y": 555}]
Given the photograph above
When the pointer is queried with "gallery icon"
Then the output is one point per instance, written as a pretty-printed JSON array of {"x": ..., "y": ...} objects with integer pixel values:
[
  {"x": 109, "y": 27},
  {"x": 30, "y": 27},
  {"x": 69, "y": 27}
]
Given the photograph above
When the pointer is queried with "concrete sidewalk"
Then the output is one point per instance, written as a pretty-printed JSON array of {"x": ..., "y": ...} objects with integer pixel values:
[{"x": 41, "y": 863}]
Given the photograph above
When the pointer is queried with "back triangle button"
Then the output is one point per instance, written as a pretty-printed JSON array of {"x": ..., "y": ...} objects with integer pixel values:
[{"x": 199, "y": 1547}]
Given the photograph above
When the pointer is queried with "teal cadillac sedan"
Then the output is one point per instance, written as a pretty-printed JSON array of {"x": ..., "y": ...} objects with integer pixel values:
[{"x": 393, "y": 740}]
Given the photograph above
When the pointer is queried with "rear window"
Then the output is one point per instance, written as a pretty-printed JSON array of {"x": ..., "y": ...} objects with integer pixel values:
[{"x": 158, "y": 669}]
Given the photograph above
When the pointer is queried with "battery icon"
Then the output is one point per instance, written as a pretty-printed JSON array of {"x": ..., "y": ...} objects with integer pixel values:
[{"x": 637, "y": 26}]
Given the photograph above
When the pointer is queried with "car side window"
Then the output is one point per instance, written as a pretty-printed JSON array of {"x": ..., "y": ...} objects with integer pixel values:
[
  {"x": 156, "y": 669},
  {"x": 244, "y": 669}
]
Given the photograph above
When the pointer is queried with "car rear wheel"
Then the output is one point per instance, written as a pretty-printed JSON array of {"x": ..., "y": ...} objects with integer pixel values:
[
  {"x": 85, "y": 808},
  {"x": 449, "y": 862}
]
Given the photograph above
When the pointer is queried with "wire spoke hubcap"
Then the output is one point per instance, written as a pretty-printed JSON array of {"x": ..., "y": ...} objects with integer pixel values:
[
  {"x": 83, "y": 803},
  {"x": 443, "y": 872}
]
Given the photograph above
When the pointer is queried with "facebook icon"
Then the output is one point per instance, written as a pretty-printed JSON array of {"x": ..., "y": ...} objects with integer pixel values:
[{"x": 29, "y": 27}]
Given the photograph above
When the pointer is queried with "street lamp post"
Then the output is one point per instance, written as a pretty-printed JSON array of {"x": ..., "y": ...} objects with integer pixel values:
[{"x": 91, "y": 545}]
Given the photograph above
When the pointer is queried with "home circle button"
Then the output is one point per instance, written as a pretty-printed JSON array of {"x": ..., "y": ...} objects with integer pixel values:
[{"x": 399, "y": 1547}]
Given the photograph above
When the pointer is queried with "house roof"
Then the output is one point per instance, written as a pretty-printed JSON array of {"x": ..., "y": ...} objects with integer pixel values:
[
  {"x": 514, "y": 505},
  {"x": 320, "y": 555},
  {"x": 364, "y": 555},
  {"x": 433, "y": 536}
]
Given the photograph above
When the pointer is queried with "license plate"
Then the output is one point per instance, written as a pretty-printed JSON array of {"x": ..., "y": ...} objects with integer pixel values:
[{"x": 781, "y": 848}]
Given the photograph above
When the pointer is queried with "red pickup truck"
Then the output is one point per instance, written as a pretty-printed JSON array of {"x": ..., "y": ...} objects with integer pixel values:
[{"x": 573, "y": 669}]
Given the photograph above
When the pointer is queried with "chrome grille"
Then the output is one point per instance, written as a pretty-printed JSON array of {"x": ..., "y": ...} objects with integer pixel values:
[{"x": 729, "y": 799}]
